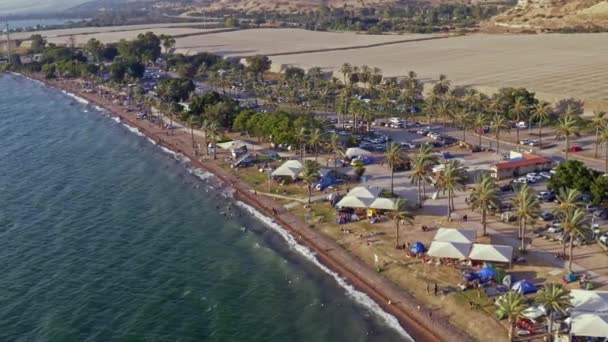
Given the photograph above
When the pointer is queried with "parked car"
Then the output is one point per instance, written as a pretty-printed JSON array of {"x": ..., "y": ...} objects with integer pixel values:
[
  {"x": 534, "y": 176},
  {"x": 524, "y": 142},
  {"x": 506, "y": 187},
  {"x": 555, "y": 228},
  {"x": 546, "y": 196},
  {"x": 575, "y": 149},
  {"x": 603, "y": 239},
  {"x": 446, "y": 155},
  {"x": 547, "y": 216},
  {"x": 534, "y": 143},
  {"x": 546, "y": 175},
  {"x": 408, "y": 144}
]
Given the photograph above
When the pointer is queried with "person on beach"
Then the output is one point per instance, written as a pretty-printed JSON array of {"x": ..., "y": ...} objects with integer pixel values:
[
  {"x": 428, "y": 288},
  {"x": 436, "y": 289}
]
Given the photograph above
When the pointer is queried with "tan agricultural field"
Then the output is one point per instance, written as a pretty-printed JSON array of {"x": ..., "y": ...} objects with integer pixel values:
[
  {"x": 112, "y": 37},
  {"x": 553, "y": 65},
  {"x": 272, "y": 41},
  {"x": 89, "y": 30}
]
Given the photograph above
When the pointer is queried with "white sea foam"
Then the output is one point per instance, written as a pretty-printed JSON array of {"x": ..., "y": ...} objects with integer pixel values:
[
  {"x": 355, "y": 294},
  {"x": 168, "y": 151},
  {"x": 151, "y": 141},
  {"x": 76, "y": 97},
  {"x": 133, "y": 130},
  {"x": 100, "y": 109},
  {"x": 117, "y": 119},
  {"x": 201, "y": 174}
]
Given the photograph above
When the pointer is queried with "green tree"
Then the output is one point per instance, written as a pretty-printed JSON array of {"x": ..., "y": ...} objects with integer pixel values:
[
  {"x": 572, "y": 174},
  {"x": 480, "y": 120},
  {"x": 393, "y": 156},
  {"x": 310, "y": 174},
  {"x": 422, "y": 165},
  {"x": 567, "y": 128},
  {"x": 401, "y": 214},
  {"x": 167, "y": 41},
  {"x": 541, "y": 113},
  {"x": 346, "y": 70},
  {"x": 555, "y": 298},
  {"x": 484, "y": 197},
  {"x": 257, "y": 65},
  {"x": 314, "y": 141},
  {"x": 193, "y": 121},
  {"x": 38, "y": 43},
  {"x": 511, "y": 304},
  {"x": 603, "y": 140},
  {"x": 335, "y": 146},
  {"x": 95, "y": 48},
  {"x": 567, "y": 202},
  {"x": 528, "y": 210},
  {"x": 463, "y": 119}
]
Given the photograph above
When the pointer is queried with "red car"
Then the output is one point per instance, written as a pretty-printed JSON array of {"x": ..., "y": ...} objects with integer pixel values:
[{"x": 575, "y": 149}]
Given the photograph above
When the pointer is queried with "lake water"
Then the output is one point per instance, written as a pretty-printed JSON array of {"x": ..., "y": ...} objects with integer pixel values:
[{"x": 105, "y": 237}]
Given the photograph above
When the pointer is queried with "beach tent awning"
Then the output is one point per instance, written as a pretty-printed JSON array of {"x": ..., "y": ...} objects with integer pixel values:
[
  {"x": 455, "y": 235},
  {"x": 589, "y": 301},
  {"x": 354, "y": 202},
  {"x": 454, "y": 250},
  {"x": 356, "y": 151},
  {"x": 383, "y": 204},
  {"x": 589, "y": 324},
  {"x": 290, "y": 168},
  {"x": 493, "y": 253},
  {"x": 324, "y": 172},
  {"x": 233, "y": 145},
  {"x": 365, "y": 192}
]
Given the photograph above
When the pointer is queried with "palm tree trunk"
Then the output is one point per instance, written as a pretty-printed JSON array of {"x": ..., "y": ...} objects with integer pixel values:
[
  {"x": 567, "y": 147},
  {"x": 571, "y": 256},
  {"x": 540, "y": 135},
  {"x": 392, "y": 175},
  {"x": 192, "y": 135},
  {"x": 523, "y": 236},
  {"x": 479, "y": 133},
  {"x": 449, "y": 207},
  {"x": 497, "y": 142},
  {"x": 444, "y": 120},
  {"x": 511, "y": 328},
  {"x": 419, "y": 195},
  {"x": 483, "y": 221},
  {"x": 564, "y": 242},
  {"x": 606, "y": 157},
  {"x": 309, "y": 192},
  {"x": 464, "y": 134},
  {"x": 206, "y": 143},
  {"x": 517, "y": 130},
  {"x": 397, "y": 228},
  {"x": 597, "y": 138}
]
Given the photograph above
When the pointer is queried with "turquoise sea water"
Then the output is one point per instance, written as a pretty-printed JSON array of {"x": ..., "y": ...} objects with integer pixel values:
[{"x": 104, "y": 237}]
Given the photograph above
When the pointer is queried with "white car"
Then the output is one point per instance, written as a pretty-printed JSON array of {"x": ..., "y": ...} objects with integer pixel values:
[
  {"x": 524, "y": 142},
  {"x": 554, "y": 229},
  {"x": 522, "y": 180},
  {"x": 547, "y": 175},
  {"x": 534, "y": 143},
  {"x": 604, "y": 239},
  {"x": 521, "y": 125},
  {"x": 534, "y": 176},
  {"x": 408, "y": 145}
]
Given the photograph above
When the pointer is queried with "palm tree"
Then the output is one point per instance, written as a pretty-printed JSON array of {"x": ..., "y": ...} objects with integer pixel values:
[
  {"x": 575, "y": 225},
  {"x": 568, "y": 200},
  {"x": 511, "y": 304},
  {"x": 567, "y": 127},
  {"x": 570, "y": 111},
  {"x": 193, "y": 121},
  {"x": 604, "y": 141},
  {"x": 528, "y": 210},
  {"x": 346, "y": 70},
  {"x": 555, "y": 298},
  {"x": 314, "y": 141},
  {"x": 310, "y": 174},
  {"x": 484, "y": 196},
  {"x": 334, "y": 145},
  {"x": 498, "y": 124},
  {"x": 393, "y": 158},
  {"x": 599, "y": 121},
  {"x": 213, "y": 130},
  {"x": 301, "y": 137},
  {"x": 442, "y": 109},
  {"x": 442, "y": 86},
  {"x": 463, "y": 118},
  {"x": 541, "y": 112},
  {"x": 518, "y": 111},
  {"x": 401, "y": 214},
  {"x": 450, "y": 180},
  {"x": 422, "y": 164},
  {"x": 479, "y": 122}
]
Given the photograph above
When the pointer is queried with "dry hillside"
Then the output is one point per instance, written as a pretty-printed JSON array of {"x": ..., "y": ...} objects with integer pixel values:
[{"x": 540, "y": 15}]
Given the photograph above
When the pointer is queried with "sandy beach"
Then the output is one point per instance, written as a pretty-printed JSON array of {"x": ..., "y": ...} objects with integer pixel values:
[{"x": 412, "y": 314}]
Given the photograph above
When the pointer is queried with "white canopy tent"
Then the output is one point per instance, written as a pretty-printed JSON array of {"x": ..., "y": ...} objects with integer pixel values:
[
  {"x": 453, "y": 250},
  {"x": 354, "y": 202},
  {"x": 455, "y": 235},
  {"x": 234, "y": 145},
  {"x": 589, "y": 315},
  {"x": 589, "y": 324},
  {"x": 493, "y": 253},
  {"x": 356, "y": 151},
  {"x": 383, "y": 204},
  {"x": 290, "y": 168},
  {"x": 365, "y": 192}
]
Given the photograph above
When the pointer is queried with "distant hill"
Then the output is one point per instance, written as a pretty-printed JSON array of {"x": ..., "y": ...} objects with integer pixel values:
[{"x": 554, "y": 15}]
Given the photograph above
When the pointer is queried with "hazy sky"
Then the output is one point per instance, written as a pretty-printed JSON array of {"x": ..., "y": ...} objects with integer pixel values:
[{"x": 35, "y": 6}]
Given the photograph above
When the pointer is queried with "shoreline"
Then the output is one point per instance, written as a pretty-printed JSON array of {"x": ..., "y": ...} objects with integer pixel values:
[{"x": 412, "y": 315}]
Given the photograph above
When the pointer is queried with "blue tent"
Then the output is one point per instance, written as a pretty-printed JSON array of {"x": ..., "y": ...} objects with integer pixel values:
[
  {"x": 524, "y": 287},
  {"x": 470, "y": 276},
  {"x": 418, "y": 247},
  {"x": 324, "y": 182},
  {"x": 486, "y": 273}
]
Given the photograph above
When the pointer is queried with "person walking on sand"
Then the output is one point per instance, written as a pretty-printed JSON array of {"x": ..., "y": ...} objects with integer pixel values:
[
  {"x": 428, "y": 288},
  {"x": 436, "y": 289}
]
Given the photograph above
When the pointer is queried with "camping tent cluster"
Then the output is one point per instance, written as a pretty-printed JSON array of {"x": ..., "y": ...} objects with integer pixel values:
[
  {"x": 366, "y": 198},
  {"x": 589, "y": 316},
  {"x": 291, "y": 168},
  {"x": 458, "y": 244}
]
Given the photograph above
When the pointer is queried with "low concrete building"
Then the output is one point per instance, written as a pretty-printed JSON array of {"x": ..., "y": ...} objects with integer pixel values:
[{"x": 520, "y": 164}]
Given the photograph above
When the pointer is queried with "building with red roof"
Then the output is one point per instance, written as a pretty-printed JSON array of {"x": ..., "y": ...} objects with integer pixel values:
[{"x": 520, "y": 164}]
